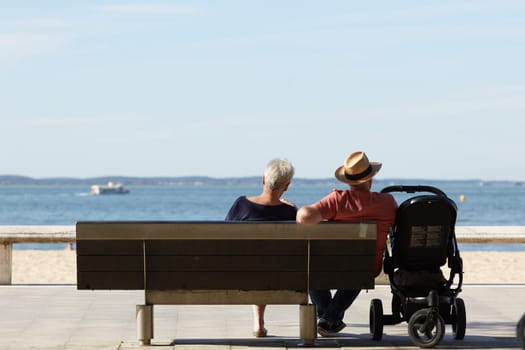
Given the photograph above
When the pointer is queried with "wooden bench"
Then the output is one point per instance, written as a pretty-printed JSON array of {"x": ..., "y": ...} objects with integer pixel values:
[{"x": 217, "y": 262}]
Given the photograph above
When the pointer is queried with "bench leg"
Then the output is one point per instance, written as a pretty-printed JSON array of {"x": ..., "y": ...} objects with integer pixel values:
[
  {"x": 144, "y": 324},
  {"x": 307, "y": 324}
]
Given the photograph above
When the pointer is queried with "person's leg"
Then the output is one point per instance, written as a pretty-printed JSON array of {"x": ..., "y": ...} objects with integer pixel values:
[
  {"x": 341, "y": 301},
  {"x": 258, "y": 320},
  {"x": 321, "y": 299}
]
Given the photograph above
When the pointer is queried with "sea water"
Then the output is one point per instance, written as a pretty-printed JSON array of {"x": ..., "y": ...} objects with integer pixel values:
[{"x": 479, "y": 204}]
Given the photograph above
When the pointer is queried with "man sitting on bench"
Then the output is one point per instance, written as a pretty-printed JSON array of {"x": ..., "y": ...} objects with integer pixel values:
[{"x": 356, "y": 204}]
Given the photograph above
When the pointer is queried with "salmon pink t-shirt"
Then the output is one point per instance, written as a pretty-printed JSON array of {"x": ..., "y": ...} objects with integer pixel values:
[{"x": 356, "y": 205}]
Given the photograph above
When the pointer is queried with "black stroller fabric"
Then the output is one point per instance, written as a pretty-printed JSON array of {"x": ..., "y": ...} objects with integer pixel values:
[
  {"x": 423, "y": 241},
  {"x": 421, "y": 236}
]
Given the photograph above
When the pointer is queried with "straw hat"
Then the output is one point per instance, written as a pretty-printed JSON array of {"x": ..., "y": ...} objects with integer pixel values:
[{"x": 357, "y": 169}]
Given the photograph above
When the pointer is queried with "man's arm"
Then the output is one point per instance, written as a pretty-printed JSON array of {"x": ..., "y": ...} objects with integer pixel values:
[{"x": 308, "y": 215}]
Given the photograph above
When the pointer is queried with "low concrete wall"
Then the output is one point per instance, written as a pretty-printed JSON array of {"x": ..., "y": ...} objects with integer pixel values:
[
  {"x": 29, "y": 234},
  {"x": 37, "y": 234},
  {"x": 10, "y": 235},
  {"x": 490, "y": 234}
]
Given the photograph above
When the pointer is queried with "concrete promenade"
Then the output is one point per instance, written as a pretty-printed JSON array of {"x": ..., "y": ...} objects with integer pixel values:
[{"x": 60, "y": 317}]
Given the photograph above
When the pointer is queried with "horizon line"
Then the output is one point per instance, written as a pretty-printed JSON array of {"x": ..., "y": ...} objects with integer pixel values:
[{"x": 481, "y": 180}]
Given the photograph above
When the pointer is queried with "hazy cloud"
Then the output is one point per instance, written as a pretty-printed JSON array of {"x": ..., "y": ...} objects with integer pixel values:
[
  {"x": 151, "y": 9},
  {"x": 24, "y": 44}
]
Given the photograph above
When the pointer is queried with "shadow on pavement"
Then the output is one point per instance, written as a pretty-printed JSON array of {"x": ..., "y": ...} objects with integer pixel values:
[{"x": 361, "y": 341}]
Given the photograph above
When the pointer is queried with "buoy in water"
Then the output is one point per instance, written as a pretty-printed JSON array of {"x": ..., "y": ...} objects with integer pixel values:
[{"x": 462, "y": 198}]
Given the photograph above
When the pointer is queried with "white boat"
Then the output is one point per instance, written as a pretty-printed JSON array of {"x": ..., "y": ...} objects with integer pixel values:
[{"x": 109, "y": 188}]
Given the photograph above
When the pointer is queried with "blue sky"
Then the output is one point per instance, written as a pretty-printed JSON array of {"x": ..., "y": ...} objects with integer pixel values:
[{"x": 433, "y": 89}]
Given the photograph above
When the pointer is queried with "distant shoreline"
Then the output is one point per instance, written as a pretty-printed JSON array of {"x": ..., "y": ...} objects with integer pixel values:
[{"x": 14, "y": 180}]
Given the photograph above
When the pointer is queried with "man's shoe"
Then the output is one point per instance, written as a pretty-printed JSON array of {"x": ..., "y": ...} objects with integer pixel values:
[
  {"x": 325, "y": 328},
  {"x": 338, "y": 327}
]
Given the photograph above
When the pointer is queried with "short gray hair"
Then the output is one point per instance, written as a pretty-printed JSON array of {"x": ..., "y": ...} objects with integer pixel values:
[{"x": 278, "y": 173}]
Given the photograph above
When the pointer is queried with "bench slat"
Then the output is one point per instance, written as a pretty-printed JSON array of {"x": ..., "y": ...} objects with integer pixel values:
[
  {"x": 240, "y": 280},
  {"x": 110, "y": 247},
  {"x": 226, "y": 263},
  {"x": 225, "y": 247},
  {"x": 342, "y": 247},
  {"x": 114, "y": 263},
  {"x": 121, "y": 280},
  {"x": 130, "y": 230}
]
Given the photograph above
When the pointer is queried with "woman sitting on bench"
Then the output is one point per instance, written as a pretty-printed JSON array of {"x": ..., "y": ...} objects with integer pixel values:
[{"x": 268, "y": 206}]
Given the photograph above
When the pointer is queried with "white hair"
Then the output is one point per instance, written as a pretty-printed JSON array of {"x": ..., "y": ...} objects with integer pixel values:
[{"x": 278, "y": 173}]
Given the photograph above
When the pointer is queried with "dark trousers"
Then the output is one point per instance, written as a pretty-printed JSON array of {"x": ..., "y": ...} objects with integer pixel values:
[{"x": 332, "y": 308}]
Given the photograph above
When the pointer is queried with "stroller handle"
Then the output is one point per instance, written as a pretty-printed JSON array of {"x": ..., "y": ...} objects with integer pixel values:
[{"x": 413, "y": 189}]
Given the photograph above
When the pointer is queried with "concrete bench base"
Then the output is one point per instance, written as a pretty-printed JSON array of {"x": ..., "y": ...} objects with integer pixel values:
[{"x": 307, "y": 324}]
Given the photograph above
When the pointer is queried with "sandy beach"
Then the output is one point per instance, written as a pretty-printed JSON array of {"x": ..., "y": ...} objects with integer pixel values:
[
  {"x": 59, "y": 266},
  {"x": 44, "y": 266}
]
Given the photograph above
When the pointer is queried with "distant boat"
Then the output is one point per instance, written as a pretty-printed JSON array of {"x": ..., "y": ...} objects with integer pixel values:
[{"x": 109, "y": 188}]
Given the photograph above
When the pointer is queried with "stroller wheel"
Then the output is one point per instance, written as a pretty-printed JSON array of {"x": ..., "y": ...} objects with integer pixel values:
[
  {"x": 459, "y": 319},
  {"x": 426, "y": 328},
  {"x": 376, "y": 319},
  {"x": 521, "y": 331}
]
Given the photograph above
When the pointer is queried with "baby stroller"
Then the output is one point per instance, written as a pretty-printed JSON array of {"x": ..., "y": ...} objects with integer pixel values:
[
  {"x": 520, "y": 328},
  {"x": 422, "y": 240}
]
